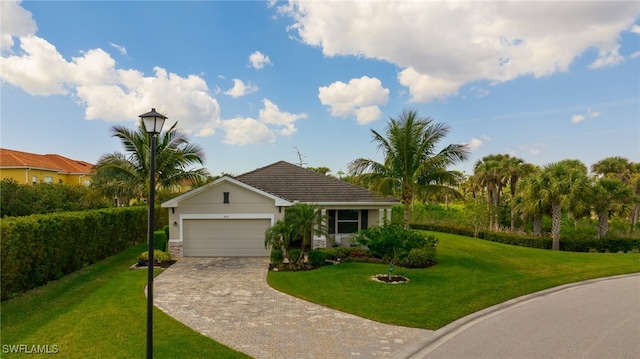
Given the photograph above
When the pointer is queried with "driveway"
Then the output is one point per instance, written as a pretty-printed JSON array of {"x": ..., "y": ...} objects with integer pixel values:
[{"x": 229, "y": 300}]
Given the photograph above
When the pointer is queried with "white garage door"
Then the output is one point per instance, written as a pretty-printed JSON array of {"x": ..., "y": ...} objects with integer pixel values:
[{"x": 225, "y": 237}]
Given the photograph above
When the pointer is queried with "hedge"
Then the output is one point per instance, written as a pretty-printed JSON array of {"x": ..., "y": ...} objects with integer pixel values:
[
  {"x": 43, "y": 247},
  {"x": 570, "y": 245}
]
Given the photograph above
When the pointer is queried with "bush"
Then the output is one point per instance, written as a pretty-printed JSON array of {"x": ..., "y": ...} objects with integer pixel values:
[
  {"x": 38, "y": 248},
  {"x": 393, "y": 243},
  {"x": 419, "y": 257},
  {"x": 294, "y": 254},
  {"x": 158, "y": 256},
  {"x": 317, "y": 258},
  {"x": 276, "y": 257},
  {"x": 160, "y": 240}
]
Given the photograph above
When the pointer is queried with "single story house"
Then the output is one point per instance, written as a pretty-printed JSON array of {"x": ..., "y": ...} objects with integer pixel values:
[{"x": 229, "y": 217}]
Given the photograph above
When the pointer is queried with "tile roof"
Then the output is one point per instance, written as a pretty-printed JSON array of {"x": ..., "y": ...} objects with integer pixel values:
[
  {"x": 11, "y": 158},
  {"x": 295, "y": 183}
]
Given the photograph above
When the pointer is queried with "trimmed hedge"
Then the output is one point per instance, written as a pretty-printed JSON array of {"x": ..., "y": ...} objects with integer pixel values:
[
  {"x": 160, "y": 240},
  {"x": 570, "y": 245},
  {"x": 39, "y": 248}
]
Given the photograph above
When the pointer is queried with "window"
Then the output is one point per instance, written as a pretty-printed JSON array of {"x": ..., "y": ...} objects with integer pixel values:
[
  {"x": 348, "y": 221},
  {"x": 48, "y": 179},
  {"x": 225, "y": 197},
  {"x": 87, "y": 183},
  {"x": 34, "y": 179}
]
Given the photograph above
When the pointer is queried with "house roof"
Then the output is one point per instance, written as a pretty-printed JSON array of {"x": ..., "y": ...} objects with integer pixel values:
[
  {"x": 53, "y": 162},
  {"x": 294, "y": 183}
]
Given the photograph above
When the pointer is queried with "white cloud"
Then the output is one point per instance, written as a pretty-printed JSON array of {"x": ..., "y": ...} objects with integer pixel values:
[
  {"x": 441, "y": 46},
  {"x": 360, "y": 98},
  {"x": 271, "y": 114},
  {"x": 270, "y": 122},
  {"x": 16, "y": 22},
  {"x": 258, "y": 60},
  {"x": 577, "y": 118},
  {"x": 635, "y": 29},
  {"x": 240, "y": 89},
  {"x": 475, "y": 143},
  {"x": 606, "y": 58},
  {"x": 635, "y": 55},
  {"x": 244, "y": 131},
  {"x": 108, "y": 93},
  {"x": 120, "y": 48},
  {"x": 535, "y": 148}
]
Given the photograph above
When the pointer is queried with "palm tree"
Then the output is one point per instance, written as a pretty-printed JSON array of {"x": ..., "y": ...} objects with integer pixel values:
[
  {"x": 516, "y": 169},
  {"x": 411, "y": 162},
  {"x": 563, "y": 185},
  {"x": 628, "y": 173},
  {"x": 126, "y": 174},
  {"x": 528, "y": 200},
  {"x": 609, "y": 195},
  {"x": 306, "y": 219},
  {"x": 280, "y": 235},
  {"x": 489, "y": 172}
]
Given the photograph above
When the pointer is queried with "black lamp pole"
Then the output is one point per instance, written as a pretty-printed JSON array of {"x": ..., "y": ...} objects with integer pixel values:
[{"x": 153, "y": 123}]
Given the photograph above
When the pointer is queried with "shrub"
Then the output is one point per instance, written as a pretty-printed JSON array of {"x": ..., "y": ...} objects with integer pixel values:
[
  {"x": 160, "y": 240},
  {"x": 393, "y": 243},
  {"x": 419, "y": 257},
  {"x": 317, "y": 258},
  {"x": 166, "y": 230},
  {"x": 158, "y": 256},
  {"x": 38, "y": 248},
  {"x": 276, "y": 256},
  {"x": 294, "y": 254}
]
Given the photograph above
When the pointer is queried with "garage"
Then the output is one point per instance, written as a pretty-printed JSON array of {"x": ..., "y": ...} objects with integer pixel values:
[{"x": 239, "y": 237}]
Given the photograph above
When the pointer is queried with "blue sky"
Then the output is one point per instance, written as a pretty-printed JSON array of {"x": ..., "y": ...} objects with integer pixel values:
[{"x": 255, "y": 82}]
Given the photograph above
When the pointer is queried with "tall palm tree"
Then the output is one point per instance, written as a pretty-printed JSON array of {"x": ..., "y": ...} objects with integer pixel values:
[
  {"x": 410, "y": 159},
  {"x": 563, "y": 185},
  {"x": 628, "y": 173},
  {"x": 490, "y": 173},
  {"x": 306, "y": 219},
  {"x": 516, "y": 169},
  {"x": 127, "y": 174},
  {"x": 609, "y": 195},
  {"x": 528, "y": 200}
]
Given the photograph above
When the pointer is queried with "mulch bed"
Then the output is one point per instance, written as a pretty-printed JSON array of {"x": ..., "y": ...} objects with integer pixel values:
[
  {"x": 394, "y": 279},
  {"x": 163, "y": 265}
]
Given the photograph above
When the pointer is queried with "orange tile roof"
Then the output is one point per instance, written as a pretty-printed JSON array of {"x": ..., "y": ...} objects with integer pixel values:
[{"x": 11, "y": 158}]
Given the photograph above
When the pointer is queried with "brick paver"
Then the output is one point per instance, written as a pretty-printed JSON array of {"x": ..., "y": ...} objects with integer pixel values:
[{"x": 229, "y": 300}]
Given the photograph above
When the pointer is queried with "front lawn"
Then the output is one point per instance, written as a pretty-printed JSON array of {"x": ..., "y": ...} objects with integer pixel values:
[
  {"x": 471, "y": 275},
  {"x": 100, "y": 312}
]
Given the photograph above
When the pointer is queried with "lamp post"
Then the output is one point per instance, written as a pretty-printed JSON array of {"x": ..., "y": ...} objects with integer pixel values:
[{"x": 153, "y": 122}]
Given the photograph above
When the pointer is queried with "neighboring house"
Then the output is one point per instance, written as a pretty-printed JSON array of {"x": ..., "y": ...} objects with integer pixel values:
[
  {"x": 30, "y": 168},
  {"x": 229, "y": 217}
]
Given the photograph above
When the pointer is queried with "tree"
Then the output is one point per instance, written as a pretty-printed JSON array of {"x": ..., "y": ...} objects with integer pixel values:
[
  {"x": 528, "y": 200},
  {"x": 126, "y": 175},
  {"x": 608, "y": 196},
  {"x": 280, "y": 236},
  {"x": 410, "y": 159},
  {"x": 563, "y": 185},
  {"x": 306, "y": 220},
  {"x": 489, "y": 172}
]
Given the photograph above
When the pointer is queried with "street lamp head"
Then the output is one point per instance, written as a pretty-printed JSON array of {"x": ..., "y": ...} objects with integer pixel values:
[{"x": 153, "y": 121}]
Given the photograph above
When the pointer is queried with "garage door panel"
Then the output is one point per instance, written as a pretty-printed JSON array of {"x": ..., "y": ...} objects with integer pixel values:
[{"x": 224, "y": 237}]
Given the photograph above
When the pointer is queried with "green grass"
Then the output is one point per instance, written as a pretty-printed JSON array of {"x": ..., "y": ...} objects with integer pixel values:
[
  {"x": 471, "y": 275},
  {"x": 100, "y": 312}
]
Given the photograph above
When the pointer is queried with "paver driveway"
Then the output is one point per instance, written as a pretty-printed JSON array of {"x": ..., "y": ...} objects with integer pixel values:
[{"x": 229, "y": 300}]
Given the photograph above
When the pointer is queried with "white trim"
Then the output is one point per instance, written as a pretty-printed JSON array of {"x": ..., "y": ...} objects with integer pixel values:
[
  {"x": 356, "y": 204},
  {"x": 182, "y": 217},
  {"x": 174, "y": 202}
]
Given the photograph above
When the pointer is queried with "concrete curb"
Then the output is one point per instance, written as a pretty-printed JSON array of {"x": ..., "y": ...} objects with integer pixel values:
[{"x": 424, "y": 346}]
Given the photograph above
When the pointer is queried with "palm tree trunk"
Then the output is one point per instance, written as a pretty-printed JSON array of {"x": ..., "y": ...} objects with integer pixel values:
[
  {"x": 556, "y": 219},
  {"x": 603, "y": 224},
  {"x": 634, "y": 217},
  {"x": 537, "y": 225}
]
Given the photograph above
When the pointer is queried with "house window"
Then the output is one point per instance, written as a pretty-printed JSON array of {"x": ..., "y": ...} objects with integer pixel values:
[
  {"x": 34, "y": 179},
  {"x": 226, "y": 197},
  {"x": 87, "y": 183},
  {"x": 348, "y": 221},
  {"x": 48, "y": 179}
]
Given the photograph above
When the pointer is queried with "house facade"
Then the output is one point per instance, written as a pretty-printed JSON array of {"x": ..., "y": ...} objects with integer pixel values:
[
  {"x": 229, "y": 216},
  {"x": 30, "y": 168}
]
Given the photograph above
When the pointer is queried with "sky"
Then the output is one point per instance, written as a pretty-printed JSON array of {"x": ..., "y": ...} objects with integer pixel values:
[{"x": 256, "y": 82}]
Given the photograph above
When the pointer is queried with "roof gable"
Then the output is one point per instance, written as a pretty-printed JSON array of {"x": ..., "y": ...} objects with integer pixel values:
[
  {"x": 295, "y": 183},
  {"x": 174, "y": 202}
]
